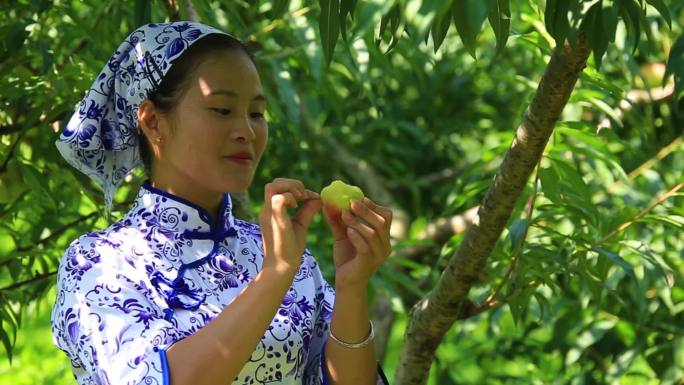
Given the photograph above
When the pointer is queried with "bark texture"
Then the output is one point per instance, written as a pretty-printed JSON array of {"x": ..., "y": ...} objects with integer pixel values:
[{"x": 448, "y": 301}]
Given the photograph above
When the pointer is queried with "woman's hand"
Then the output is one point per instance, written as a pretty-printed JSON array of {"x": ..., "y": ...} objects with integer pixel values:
[
  {"x": 362, "y": 241},
  {"x": 284, "y": 238}
]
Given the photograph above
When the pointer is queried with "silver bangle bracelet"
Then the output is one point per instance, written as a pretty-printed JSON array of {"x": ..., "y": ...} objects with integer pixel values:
[{"x": 360, "y": 344}]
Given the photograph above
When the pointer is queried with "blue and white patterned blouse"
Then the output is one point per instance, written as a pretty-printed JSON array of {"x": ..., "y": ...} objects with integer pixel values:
[{"x": 127, "y": 293}]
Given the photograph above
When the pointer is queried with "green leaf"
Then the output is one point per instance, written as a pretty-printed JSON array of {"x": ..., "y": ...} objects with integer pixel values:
[
  {"x": 675, "y": 65},
  {"x": 606, "y": 108},
  {"x": 618, "y": 260},
  {"x": 589, "y": 337},
  {"x": 599, "y": 80},
  {"x": 392, "y": 20},
  {"x": 549, "y": 181},
  {"x": 571, "y": 179},
  {"x": 660, "y": 6},
  {"x": 518, "y": 304},
  {"x": 402, "y": 280},
  {"x": 440, "y": 27},
  {"x": 38, "y": 185},
  {"x": 279, "y": 8},
  {"x": 633, "y": 17},
  {"x": 500, "y": 20},
  {"x": 597, "y": 27},
  {"x": 329, "y": 27},
  {"x": 143, "y": 12},
  {"x": 4, "y": 337},
  {"x": 517, "y": 232},
  {"x": 6, "y": 343},
  {"x": 468, "y": 18},
  {"x": 556, "y": 19},
  {"x": 14, "y": 39}
]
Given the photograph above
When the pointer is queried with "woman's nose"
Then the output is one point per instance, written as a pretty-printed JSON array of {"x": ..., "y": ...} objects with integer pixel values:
[{"x": 243, "y": 132}]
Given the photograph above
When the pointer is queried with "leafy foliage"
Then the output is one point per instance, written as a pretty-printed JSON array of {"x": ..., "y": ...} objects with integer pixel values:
[{"x": 586, "y": 281}]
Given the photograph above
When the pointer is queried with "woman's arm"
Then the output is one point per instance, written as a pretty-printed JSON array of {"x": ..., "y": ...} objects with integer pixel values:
[
  {"x": 216, "y": 353},
  {"x": 350, "y": 323},
  {"x": 362, "y": 244}
]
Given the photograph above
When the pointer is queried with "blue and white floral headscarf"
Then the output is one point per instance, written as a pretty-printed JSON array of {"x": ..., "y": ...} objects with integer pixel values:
[{"x": 101, "y": 138}]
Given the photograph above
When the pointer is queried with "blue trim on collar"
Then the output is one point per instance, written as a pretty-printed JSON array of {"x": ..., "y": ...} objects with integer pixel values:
[{"x": 204, "y": 214}]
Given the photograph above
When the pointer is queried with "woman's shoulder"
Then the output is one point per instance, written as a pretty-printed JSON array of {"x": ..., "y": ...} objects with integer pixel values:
[{"x": 104, "y": 248}]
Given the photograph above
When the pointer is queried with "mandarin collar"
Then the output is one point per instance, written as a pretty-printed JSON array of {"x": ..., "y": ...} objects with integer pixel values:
[{"x": 175, "y": 213}]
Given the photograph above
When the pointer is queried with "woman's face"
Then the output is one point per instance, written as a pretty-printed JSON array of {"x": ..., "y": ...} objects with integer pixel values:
[{"x": 220, "y": 115}]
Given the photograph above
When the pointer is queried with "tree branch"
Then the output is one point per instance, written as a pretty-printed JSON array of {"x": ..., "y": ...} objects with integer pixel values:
[
  {"x": 435, "y": 314},
  {"x": 518, "y": 250},
  {"x": 190, "y": 11},
  {"x": 10, "y": 129},
  {"x": 639, "y": 97},
  {"x": 28, "y": 281},
  {"x": 438, "y": 232},
  {"x": 656, "y": 202},
  {"x": 172, "y": 9}
]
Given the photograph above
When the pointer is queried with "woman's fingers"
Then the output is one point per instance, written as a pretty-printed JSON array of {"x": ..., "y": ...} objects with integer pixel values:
[
  {"x": 385, "y": 212},
  {"x": 281, "y": 185},
  {"x": 279, "y": 205},
  {"x": 360, "y": 243},
  {"x": 309, "y": 209},
  {"x": 371, "y": 237},
  {"x": 377, "y": 217}
]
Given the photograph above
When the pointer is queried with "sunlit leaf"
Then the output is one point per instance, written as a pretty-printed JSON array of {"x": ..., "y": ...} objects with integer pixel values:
[{"x": 329, "y": 26}]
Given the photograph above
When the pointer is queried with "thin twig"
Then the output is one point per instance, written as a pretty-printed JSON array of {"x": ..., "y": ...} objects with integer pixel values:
[
  {"x": 59, "y": 231},
  {"x": 27, "y": 281},
  {"x": 280, "y": 22},
  {"x": 665, "y": 151},
  {"x": 3, "y": 166},
  {"x": 657, "y": 201}
]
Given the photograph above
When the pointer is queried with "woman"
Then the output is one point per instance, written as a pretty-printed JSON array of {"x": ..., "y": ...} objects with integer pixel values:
[{"x": 179, "y": 291}]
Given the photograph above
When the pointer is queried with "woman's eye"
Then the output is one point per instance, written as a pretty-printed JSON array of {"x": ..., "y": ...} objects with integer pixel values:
[
  {"x": 257, "y": 115},
  {"x": 222, "y": 111}
]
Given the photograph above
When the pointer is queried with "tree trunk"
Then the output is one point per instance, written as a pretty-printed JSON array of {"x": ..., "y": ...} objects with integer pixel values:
[{"x": 448, "y": 301}]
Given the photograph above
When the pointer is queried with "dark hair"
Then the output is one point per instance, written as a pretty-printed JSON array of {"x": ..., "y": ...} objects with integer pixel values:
[{"x": 175, "y": 83}]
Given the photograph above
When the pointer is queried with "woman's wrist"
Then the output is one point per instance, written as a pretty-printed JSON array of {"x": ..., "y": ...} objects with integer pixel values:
[
  {"x": 283, "y": 270},
  {"x": 351, "y": 301},
  {"x": 352, "y": 289}
]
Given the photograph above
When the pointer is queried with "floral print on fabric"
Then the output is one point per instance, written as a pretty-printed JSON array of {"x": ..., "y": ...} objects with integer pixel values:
[{"x": 127, "y": 293}]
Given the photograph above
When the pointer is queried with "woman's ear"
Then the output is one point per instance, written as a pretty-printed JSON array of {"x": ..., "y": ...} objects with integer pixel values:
[{"x": 149, "y": 121}]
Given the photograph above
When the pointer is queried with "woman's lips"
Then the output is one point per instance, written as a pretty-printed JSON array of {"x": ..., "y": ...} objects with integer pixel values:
[{"x": 239, "y": 160}]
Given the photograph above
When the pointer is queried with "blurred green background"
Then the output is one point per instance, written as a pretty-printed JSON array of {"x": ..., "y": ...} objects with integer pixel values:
[{"x": 591, "y": 295}]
